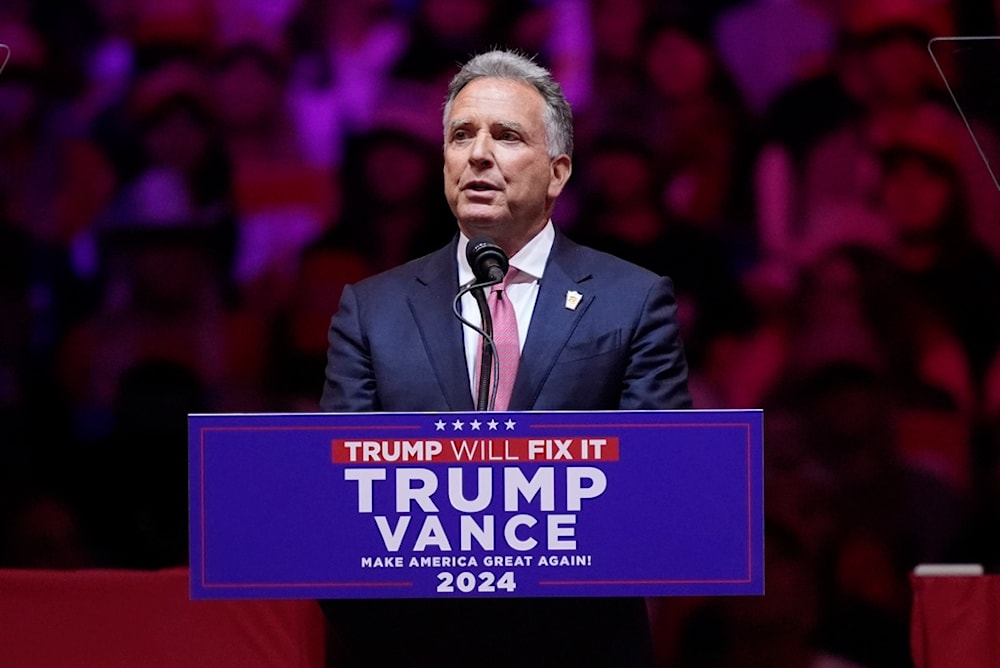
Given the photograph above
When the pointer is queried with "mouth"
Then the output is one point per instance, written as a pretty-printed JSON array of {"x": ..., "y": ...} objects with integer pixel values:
[{"x": 479, "y": 186}]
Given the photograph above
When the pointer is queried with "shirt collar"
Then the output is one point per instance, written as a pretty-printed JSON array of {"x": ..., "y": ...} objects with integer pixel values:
[{"x": 530, "y": 260}]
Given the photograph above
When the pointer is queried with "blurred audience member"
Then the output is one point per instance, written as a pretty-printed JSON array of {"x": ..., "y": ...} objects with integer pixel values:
[
  {"x": 446, "y": 31},
  {"x": 977, "y": 541},
  {"x": 866, "y": 616},
  {"x": 802, "y": 487},
  {"x": 52, "y": 184},
  {"x": 621, "y": 213},
  {"x": 769, "y": 45},
  {"x": 343, "y": 54},
  {"x": 283, "y": 202},
  {"x": 616, "y": 32},
  {"x": 393, "y": 210},
  {"x": 109, "y": 62},
  {"x": 166, "y": 30},
  {"x": 924, "y": 201},
  {"x": 777, "y": 630},
  {"x": 163, "y": 301},
  {"x": 859, "y": 345},
  {"x": 560, "y": 30},
  {"x": 299, "y": 332},
  {"x": 703, "y": 137},
  {"x": 181, "y": 173}
]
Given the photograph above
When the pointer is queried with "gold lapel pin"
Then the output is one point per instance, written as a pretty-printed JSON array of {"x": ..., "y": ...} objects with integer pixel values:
[{"x": 573, "y": 299}]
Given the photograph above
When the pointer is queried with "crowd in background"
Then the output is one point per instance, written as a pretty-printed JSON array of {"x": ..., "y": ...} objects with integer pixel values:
[{"x": 185, "y": 187}]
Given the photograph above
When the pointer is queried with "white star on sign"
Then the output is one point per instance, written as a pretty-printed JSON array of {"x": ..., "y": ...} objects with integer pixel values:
[
  {"x": 439, "y": 425},
  {"x": 492, "y": 425},
  {"x": 475, "y": 425},
  {"x": 510, "y": 424},
  {"x": 457, "y": 424}
]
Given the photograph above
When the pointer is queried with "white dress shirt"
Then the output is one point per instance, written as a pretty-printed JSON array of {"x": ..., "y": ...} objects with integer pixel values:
[{"x": 522, "y": 292}]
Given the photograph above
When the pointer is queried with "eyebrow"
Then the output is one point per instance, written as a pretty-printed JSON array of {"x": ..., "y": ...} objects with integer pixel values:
[
  {"x": 505, "y": 125},
  {"x": 509, "y": 125}
]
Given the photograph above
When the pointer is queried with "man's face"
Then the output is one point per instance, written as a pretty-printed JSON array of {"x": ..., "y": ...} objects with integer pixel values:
[{"x": 498, "y": 177}]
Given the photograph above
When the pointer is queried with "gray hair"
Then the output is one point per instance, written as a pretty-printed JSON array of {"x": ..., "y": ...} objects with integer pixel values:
[{"x": 511, "y": 65}]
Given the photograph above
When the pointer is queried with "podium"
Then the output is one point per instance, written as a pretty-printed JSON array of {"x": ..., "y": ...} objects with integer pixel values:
[{"x": 476, "y": 505}]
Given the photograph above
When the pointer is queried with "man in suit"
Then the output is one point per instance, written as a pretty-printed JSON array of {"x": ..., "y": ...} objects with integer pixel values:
[{"x": 594, "y": 333}]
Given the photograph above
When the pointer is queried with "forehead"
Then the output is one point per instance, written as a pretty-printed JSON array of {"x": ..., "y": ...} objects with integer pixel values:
[{"x": 497, "y": 100}]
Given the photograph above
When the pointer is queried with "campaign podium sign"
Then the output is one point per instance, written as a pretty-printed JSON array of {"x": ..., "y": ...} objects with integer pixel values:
[{"x": 519, "y": 504}]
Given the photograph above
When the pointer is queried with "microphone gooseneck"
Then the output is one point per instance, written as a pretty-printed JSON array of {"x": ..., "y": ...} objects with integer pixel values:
[
  {"x": 484, "y": 401},
  {"x": 490, "y": 363}
]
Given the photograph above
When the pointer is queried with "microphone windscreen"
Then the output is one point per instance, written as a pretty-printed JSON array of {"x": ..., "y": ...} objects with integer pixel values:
[{"x": 485, "y": 257}]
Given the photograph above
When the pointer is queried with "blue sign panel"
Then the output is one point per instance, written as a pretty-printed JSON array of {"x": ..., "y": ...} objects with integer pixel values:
[{"x": 423, "y": 505}]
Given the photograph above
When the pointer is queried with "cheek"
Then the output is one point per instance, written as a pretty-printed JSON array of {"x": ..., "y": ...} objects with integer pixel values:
[{"x": 453, "y": 166}]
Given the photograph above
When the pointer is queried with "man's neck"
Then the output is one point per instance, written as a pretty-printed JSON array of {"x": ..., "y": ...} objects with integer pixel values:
[{"x": 530, "y": 258}]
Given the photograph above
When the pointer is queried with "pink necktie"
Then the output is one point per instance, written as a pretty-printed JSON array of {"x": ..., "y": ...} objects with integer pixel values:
[{"x": 508, "y": 347}]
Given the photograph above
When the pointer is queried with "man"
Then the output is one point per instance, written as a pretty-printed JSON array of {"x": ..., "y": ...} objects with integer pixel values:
[{"x": 594, "y": 333}]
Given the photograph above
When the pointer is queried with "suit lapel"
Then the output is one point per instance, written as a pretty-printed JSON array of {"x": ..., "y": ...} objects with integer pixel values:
[
  {"x": 430, "y": 302},
  {"x": 552, "y": 321}
]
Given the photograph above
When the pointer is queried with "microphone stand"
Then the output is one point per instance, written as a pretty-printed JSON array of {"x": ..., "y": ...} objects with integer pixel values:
[
  {"x": 486, "y": 397},
  {"x": 483, "y": 401},
  {"x": 489, "y": 264}
]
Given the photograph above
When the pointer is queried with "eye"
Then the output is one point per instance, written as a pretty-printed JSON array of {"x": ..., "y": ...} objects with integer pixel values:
[
  {"x": 459, "y": 135},
  {"x": 509, "y": 135}
]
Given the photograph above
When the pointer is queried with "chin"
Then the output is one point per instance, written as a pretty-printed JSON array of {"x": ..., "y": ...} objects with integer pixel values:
[{"x": 480, "y": 221}]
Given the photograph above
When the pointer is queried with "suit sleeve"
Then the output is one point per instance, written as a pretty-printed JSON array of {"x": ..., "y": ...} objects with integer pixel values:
[
  {"x": 350, "y": 376},
  {"x": 656, "y": 372}
]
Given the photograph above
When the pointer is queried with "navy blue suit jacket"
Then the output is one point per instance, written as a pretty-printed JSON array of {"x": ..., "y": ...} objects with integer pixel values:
[{"x": 395, "y": 344}]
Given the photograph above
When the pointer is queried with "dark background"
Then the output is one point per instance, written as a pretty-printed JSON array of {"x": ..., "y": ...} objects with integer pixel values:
[{"x": 185, "y": 188}]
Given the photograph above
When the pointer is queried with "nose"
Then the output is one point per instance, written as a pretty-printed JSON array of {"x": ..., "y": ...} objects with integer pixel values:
[{"x": 481, "y": 154}]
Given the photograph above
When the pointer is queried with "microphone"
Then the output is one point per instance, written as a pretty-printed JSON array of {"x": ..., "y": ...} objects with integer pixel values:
[{"x": 488, "y": 261}]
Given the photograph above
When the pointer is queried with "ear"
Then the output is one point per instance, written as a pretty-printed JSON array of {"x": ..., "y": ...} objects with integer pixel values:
[{"x": 561, "y": 168}]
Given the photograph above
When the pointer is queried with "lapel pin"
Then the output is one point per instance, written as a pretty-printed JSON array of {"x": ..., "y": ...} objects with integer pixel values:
[{"x": 573, "y": 299}]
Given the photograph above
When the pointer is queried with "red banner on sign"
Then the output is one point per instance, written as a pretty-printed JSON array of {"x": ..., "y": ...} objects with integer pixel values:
[{"x": 472, "y": 450}]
